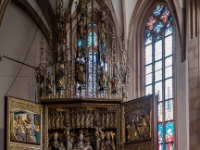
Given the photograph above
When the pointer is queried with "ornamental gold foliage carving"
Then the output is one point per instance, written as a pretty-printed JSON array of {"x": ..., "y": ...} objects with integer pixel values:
[
  {"x": 15, "y": 104},
  {"x": 24, "y": 148},
  {"x": 139, "y": 104}
]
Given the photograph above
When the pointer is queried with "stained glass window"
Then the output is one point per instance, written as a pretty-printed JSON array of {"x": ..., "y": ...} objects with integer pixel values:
[
  {"x": 92, "y": 43},
  {"x": 159, "y": 71}
]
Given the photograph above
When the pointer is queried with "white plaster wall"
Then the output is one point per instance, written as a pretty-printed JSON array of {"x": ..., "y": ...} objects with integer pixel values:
[
  {"x": 117, "y": 4},
  {"x": 16, "y": 35},
  {"x": 181, "y": 100},
  {"x": 36, "y": 7},
  {"x": 181, "y": 3},
  {"x": 130, "y": 5}
]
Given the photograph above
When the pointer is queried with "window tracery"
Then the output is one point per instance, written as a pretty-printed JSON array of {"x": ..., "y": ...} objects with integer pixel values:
[{"x": 159, "y": 71}]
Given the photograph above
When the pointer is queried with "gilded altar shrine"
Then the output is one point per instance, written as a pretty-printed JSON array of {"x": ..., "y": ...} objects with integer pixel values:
[
  {"x": 81, "y": 125},
  {"x": 82, "y": 84}
]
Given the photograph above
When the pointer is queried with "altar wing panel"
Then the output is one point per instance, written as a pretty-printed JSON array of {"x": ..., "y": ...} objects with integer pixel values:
[
  {"x": 24, "y": 125},
  {"x": 139, "y": 124}
]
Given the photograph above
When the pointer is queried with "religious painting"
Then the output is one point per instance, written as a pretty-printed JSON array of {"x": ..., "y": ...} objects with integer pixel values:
[
  {"x": 24, "y": 128},
  {"x": 137, "y": 125}
]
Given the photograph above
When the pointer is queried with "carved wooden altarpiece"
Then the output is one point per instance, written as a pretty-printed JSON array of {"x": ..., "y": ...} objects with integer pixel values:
[{"x": 81, "y": 124}]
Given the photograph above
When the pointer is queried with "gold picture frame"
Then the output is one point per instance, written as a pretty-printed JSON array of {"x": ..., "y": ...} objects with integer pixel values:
[{"x": 23, "y": 132}]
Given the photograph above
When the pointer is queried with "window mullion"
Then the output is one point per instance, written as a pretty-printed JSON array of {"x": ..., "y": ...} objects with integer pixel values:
[{"x": 163, "y": 88}]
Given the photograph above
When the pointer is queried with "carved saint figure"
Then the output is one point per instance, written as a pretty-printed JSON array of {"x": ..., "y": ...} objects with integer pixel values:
[
  {"x": 103, "y": 81},
  {"x": 38, "y": 75},
  {"x": 83, "y": 6},
  {"x": 132, "y": 131},
  {"x": 97, "y": 118},
  {"x": 30, "y": 129},
  {"x": 80, "y": 144},
  {"x": 88, "y": 146},
  {"x": 56, "y": 144},
  {"x": 102, "y": 33},
  {"x": 87, "y": 120},
  {"x": 61, "y": 80},
  {"x": 109, "y": 143},
  {"x": 124, "y": 93},
  {"x": 114, "y": 83},
  {"x": 49, "y": 83},
  {"x": 18, "y": 129},
  {"x": 97, "y": 138},
  {"x": 83, "y": 119},
  {"x": 143, "y": 126},
  {"x": 80, "y": 73}
]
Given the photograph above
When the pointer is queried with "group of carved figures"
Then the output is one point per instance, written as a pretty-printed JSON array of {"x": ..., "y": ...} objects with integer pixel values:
[
  {"x": 60, "y": 79},
  {"x": 82, "y": 119},
  {"x": 140, "y": 130},
  {"x": 84, "y": 140},
  {"x": 24, "y": 130}
]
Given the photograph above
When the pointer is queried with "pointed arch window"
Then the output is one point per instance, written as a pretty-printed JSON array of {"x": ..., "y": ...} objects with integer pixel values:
[{"x": 159, "y": 71}]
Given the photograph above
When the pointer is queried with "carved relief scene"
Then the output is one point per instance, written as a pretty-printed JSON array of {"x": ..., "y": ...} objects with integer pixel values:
[
  {"x": 25, "y": 127},
  {"x": 82, "y": 128},
  {"x": 137, "y": 125}
]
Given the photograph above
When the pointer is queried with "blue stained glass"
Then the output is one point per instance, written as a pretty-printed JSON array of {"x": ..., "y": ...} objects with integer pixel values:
[
  {"x": 104, "y": 51},
  {"x": 158, "y": 26},
  {"x": 158, "y": 10},
  {"x": 168, "y": 110},
  {"x": 80, "y": 43},
  {"x": 90, "y": 39},
  {"x": 170, "y": 146},
  {"x": 160, "y": 133},
  {"x": 148, "y": 40},
  {"x": 168, "y": 31},
  {"x": 94, "y": 39},
  {"x": 169, "y": 132},
  {"x": 147, "y": 32}
]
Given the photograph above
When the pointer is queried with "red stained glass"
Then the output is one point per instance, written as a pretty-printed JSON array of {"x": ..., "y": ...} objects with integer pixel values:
[
  {"x": 170, "y": 146},
  {"x": 160, "y": 147},
  {"x": 151, "y": 22},
  {"x": 165, "y": 15}
]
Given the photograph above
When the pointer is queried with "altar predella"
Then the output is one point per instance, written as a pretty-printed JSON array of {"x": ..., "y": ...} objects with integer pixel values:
[{"x": 82, "y": 83}]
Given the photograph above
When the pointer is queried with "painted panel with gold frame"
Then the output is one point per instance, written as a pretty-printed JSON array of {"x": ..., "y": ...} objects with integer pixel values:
[{"x": 24, "y": 124}]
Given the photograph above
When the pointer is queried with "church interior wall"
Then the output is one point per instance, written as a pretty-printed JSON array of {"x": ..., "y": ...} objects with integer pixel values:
[{"x": 18, "y": 34}]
